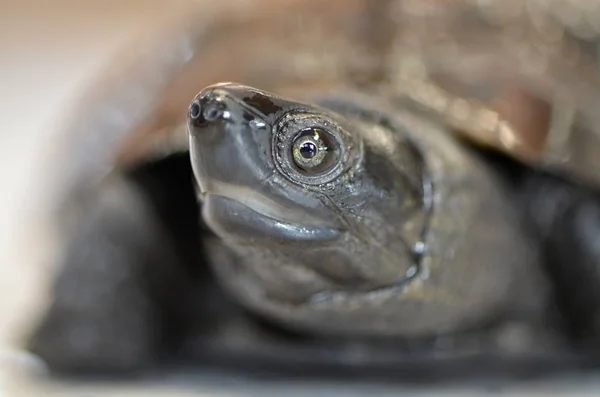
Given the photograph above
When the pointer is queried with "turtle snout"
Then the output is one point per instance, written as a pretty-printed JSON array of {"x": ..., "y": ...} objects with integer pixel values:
[{"x": 207, "y": 109}]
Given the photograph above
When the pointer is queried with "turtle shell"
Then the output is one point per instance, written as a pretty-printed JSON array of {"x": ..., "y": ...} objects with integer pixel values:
[{"x": 520, "y": 76}]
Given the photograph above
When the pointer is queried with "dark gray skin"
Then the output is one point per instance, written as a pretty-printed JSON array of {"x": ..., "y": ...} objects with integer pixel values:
[{"x": 392, "y": 236}]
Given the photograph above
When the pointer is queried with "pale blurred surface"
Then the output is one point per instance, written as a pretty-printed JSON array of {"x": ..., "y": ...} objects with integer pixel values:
[{"x": 48, "y": 53}]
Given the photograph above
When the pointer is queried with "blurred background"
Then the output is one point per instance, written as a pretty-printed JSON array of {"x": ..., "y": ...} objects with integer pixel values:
[
  {"x": 54, "y": 56},
  {"x": 49, "y": 53}
]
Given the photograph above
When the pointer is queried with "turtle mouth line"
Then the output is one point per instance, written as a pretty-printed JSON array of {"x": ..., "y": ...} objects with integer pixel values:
[
  {"x": 245, "y": 225},
  {"x": 261, "y": 204}
]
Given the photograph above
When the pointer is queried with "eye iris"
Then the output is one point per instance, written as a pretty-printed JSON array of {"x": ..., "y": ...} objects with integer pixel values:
[
  {"x": 308, "y": 150},
  {"x": 311, "y": 150}
]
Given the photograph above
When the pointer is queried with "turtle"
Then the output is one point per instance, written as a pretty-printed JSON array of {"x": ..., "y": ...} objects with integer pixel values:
[{"x": 368, "y": 196}]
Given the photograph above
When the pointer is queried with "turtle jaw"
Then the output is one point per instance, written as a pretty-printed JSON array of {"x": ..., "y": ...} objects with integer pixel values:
[{"x": 249, "y": 222}]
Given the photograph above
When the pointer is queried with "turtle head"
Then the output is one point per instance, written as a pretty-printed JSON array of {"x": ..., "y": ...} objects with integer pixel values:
[
  {"x": 298, "y": 193},
  {"x": 255, "y": 158}
]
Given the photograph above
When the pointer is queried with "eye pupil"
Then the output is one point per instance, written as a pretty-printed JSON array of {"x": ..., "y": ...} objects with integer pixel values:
[{"x": 308, "y": 150}]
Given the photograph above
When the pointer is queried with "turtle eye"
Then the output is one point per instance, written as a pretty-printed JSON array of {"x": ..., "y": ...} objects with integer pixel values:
[
  {"x": 310, "y": 148},
  {"x": 313, "y": 150}
]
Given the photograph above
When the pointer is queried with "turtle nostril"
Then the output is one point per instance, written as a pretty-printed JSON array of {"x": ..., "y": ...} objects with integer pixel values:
[
  {"x": 208, "y": 109},
  {"x": 212, "y": 110},
  {"x": 195, "y": 110}
]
